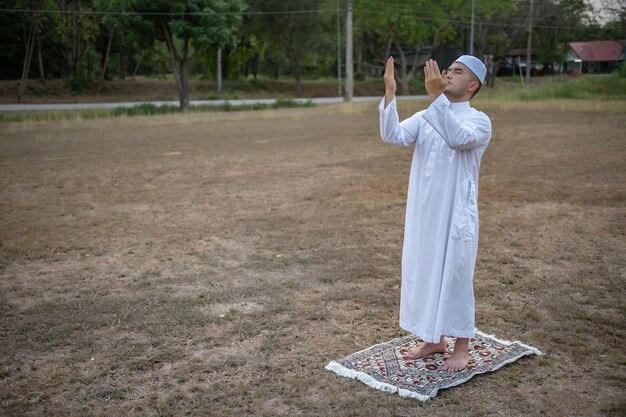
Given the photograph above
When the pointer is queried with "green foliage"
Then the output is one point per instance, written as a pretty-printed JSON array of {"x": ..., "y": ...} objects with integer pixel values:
[
  {"x": 585, "y": 87},
  {"x": 77, "y": 31},
  {"x": 291, "y": 42},
  {"x": 80, "y": 82},
  {"x": 415, "y": 22},
  {"x": 298, "y": 44},
  {"x": 145, "y": 109},
  {"x": 206, "y": 23},
  {"x": 552, "y": 54},
  {"x": 186, "y": 26},
  {"x": 23, "y": 117}
]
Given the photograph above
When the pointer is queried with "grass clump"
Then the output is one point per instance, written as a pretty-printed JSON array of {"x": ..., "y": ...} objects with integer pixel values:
[
  {"x": 49, "y": 116},
  {"x": 600, "y": 87},
  {"x": 148, "y": 109},
  {"x": 145, "y": 109}
]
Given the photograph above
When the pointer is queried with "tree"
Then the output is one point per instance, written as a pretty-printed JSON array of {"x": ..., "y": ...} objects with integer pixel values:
[
  {"x": 186, "y": 27},
  {"x": 407, "y": 28},
  {"x": 499, "y": 29},
  {"x": 110, "y": 24},
  {"x": 29, "y": 26},
  {"x": 33, "y": 30},
  {"x": 77, "y": 32},
  {"x": 294, "y": 29}
]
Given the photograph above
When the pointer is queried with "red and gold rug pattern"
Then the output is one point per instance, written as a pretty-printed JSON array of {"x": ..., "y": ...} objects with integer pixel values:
[{"x": 383, "y": 366}]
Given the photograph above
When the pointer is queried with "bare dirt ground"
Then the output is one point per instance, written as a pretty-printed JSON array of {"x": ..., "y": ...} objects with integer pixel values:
[{"x": 212, "y": 264}]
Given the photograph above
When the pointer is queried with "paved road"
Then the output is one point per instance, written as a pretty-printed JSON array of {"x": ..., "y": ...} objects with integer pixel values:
[{"x": 81, "y": 106}]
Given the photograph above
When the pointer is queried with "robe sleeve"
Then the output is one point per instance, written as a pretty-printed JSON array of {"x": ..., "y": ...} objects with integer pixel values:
[
  {"x": 394, "y": 132},
  {"x": 471, "y": 133}
]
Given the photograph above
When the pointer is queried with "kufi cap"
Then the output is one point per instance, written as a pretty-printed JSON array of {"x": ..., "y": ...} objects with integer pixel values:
[{"x": 475, "y": 65}]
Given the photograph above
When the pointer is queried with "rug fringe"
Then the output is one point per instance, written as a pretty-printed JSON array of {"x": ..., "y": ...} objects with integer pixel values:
[
  {"x": 508, "y": 342},
  {"x": 372, "y": 382}
]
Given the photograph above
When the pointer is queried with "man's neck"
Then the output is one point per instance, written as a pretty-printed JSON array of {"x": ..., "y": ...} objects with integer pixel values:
[{"x": 457, "y": 99}]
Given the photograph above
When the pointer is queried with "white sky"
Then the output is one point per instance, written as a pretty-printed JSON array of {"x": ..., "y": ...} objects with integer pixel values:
[{"x": 606, "y": 10}]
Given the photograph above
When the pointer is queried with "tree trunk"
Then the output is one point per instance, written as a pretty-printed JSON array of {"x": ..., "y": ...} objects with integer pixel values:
[
  {"x": 359, "y": 57},
  {"x": 42, "y": 73},
  {"x": 177, "y": 79},
  {"x": 121, "y": 66},
  {"x": 529, "y": 43},
  {"x": 403, "y": 83},
  {"x": 295, "y": 62},
  {"x": 184, "y": 81},
  {"x": 181, "y": 74},
  {"x": 105, "y": 64},
  {"x": 30, "y": 43},
  {"x": 219, "y": 73},
  {"x": 492, "y": 70},
  {"x": 90, "y": 71},
  {"x": 74, "y": 55},
  {"x": 137, "y": 66},
  {"x": 402, "y": 73}
]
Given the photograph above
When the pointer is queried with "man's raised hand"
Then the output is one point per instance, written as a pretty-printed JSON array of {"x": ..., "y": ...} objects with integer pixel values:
[
  {"x": 390, "y": 81},
  {"x": 434, "y": 81}
]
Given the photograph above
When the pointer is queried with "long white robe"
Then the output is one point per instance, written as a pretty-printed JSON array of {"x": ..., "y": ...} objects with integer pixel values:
[{"x": 441, "y": 227}]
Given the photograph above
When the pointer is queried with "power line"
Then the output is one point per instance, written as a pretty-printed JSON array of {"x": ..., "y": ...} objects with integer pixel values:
[
  {"x": 113, "y": 13},
  {"x": 278, "y": 12},
  {"x": 462, "y": 22}
]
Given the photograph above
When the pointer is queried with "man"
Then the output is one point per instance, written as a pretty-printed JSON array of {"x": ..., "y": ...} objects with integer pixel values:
[{"x": 441, "y": 229}]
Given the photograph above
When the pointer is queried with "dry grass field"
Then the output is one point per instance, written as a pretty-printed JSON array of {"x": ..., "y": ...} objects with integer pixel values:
[{"x": 212, "y": 264}]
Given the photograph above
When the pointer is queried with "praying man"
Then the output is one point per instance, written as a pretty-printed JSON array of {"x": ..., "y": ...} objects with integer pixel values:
[{"x": 441, "y": 226}]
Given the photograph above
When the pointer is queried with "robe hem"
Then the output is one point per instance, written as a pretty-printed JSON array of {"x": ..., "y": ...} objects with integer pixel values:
[{"x": 445, "y": 332}]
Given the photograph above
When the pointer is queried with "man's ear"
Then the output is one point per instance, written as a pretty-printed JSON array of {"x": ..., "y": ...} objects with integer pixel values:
[{"x": 473, "y": 86}]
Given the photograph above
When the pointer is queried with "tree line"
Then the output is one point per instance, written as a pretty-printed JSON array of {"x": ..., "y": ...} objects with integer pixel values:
[{"x": 88, "y": 42}]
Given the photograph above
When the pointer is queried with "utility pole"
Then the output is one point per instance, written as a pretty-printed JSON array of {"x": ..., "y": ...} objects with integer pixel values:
[
  {"x": 338, "y": 51},
  {"x": 349, "y": 64},
  {"x": 471, "y": 45},
  {"x": 529, "y": 46},
  {"x": 219, "y": 72}
]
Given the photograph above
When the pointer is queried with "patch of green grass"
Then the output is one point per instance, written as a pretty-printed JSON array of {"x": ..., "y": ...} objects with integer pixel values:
[
  {"x": 145, "y": 109},
  {"x": 544, "y": 361},
  {"x": 587, "y": 87},
  {"x": 584, "y": 87},
  {"x": 53, "y": 115}
]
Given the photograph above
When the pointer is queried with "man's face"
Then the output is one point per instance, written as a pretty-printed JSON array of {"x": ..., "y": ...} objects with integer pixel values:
[{"x": 458, "y": 78}]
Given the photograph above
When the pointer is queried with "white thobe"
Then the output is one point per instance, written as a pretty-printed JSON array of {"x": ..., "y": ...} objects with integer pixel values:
[{"x": 441, "y": 227}]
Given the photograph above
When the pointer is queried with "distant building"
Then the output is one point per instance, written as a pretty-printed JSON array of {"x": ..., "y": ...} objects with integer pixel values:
[
  {"x": 514, "y": 62},
  {"x": 594, "y": 57}
]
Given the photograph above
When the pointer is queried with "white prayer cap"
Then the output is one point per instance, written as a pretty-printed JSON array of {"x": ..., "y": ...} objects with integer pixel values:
[{"x": 475, "y": 65}]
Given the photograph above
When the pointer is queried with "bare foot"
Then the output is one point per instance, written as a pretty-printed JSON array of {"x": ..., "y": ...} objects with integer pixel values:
[
  {"x": 425, "y": 349},
  {"x": 459, "y": 358}
]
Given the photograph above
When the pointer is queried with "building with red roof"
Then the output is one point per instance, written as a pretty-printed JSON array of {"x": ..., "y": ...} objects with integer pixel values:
[{"x": 593, "y": 57}]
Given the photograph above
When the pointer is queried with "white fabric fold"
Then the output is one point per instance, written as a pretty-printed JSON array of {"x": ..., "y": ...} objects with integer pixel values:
[{"x": 441, "y": 227}]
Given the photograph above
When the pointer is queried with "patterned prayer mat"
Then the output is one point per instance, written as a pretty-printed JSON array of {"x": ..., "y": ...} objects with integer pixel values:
[{"x": 382, "y": 367}]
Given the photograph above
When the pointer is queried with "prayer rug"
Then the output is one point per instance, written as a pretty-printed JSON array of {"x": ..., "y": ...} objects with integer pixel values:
[{"x": 382, "y": 366}]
